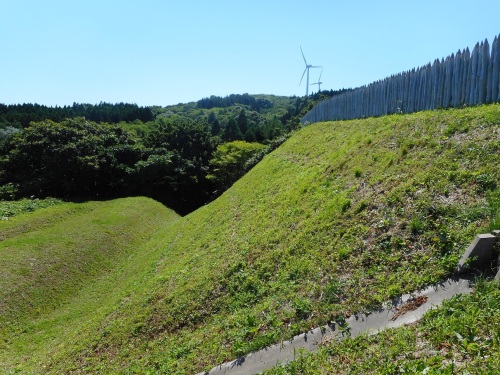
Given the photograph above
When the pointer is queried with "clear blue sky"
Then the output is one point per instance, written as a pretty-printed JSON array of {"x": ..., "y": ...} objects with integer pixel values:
[{"x": 160, "y": 52}]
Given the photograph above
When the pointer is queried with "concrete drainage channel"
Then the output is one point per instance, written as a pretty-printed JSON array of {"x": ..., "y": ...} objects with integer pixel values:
[{"x": 481, "y": 257}]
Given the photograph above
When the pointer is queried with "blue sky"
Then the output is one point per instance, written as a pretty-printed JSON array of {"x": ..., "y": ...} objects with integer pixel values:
[{"x": 153, "y": 52}]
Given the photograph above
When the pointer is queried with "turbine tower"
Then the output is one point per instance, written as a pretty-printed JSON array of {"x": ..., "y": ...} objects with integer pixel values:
[
  {"x": 307, "y": 69},
  {"x": 319, "y": 81}
]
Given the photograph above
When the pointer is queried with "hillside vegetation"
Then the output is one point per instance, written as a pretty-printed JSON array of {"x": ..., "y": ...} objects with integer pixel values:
[
  {"x": 340, "y": 218},
  {"x": 87, "y": 152},
  {"x": 460, "y": 337},
  {"x": 61, "y": 265}
]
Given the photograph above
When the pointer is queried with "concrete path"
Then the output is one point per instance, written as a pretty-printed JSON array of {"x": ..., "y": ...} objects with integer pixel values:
[{"x": 408, "y": 309}]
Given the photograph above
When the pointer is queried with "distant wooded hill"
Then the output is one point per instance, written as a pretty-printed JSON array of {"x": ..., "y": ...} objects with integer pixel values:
[
  {"x": 110, "y": 150},
  {"x": 20, "y": 115},
  {"x": 183, "y": 155}
]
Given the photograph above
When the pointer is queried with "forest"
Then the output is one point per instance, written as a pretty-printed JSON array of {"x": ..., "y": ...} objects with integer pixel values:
[
  {"x": 21, "y": 115},
  {"x": 183, "y": 156}
]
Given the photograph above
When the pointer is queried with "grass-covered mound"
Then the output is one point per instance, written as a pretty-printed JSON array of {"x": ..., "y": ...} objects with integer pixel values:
[
  {"x": 61, "y": 265},
  {"x": 339, "y": 219}
]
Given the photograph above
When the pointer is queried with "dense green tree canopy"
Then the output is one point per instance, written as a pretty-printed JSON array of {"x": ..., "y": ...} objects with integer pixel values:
[
  {"x": 73, "y": 157},
  {"x": 230, "y": 161},
  {"x": 190, "y": 146},
  {"x": 242, "y": 122},
  {"x": 6, "y": 132},
  {"x": 164, "y": 153},
  {"x": 232, "y": 131},
  {"x": 228, "y": 101},
  {"x": 21, "y": 115}
]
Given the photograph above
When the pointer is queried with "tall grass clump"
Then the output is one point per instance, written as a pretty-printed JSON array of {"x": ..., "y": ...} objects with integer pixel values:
[{"x": 494, "y": 204}]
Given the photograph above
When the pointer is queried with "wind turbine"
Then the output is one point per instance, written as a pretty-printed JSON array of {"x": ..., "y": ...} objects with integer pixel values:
[
  {"x": 319, "y": 81},
  {"x": 307, "y": 69}
]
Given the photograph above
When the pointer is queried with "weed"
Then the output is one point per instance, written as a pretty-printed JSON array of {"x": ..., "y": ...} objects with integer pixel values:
[
  {"x": 361, "y": 206},
  {"x": 302, "y": 307},
  {"x": 404, "y": 150},
  {"x": 344, "y": 252},
  {"x": 494, "y": 206},
  {"x": 416, "y": 226},
  {"x": 346, "y": 204},
  {"x": 461, "y": 336},
  {"x": 13, "y": 208},
  {"x": 486, "y": 181}
]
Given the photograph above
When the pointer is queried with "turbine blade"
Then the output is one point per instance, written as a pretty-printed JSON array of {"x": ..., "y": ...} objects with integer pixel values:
[
  {"x": 302, "y": 76},
  {"x": 319, "y": 79},
  {"x": 314, "y": 66},
  {"x": 303, "y": 55}
]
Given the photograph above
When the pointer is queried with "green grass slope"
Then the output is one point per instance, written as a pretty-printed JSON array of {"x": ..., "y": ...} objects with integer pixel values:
[
  {"x": 58, "y": 265},
  {"x": 340, "y": 218}
]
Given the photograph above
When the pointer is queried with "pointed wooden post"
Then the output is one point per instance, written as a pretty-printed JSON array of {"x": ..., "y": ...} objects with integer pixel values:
[
  {"x": 474, "y": 75},
  {"x": 495, "y": 78},
  {"x": 484, "y": 62},
  {"x": 447, "y": 96},
  {"x": 457, "y": 71},
  {"x": 467, "y": 75}
]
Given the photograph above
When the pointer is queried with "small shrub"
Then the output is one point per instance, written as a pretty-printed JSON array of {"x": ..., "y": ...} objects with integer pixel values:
[
  {"x": 302, "y": 307},
  {"x": 358, "y": 172},
  {"x": 8, "y": 191},
  {"x": 486, "y": 181},
  {"x": 416, "y": 226},
  {"x": 361, "y": 206},
  {"x": 346, "y": 205}
]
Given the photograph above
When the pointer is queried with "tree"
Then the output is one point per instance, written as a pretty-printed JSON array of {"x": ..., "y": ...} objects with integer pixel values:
[
  {"x": 229, "y": 162},
  {"x": 211, "y": 117},
  {"x": 232, "y": 131},
  {"x": 73, "y": 158},
  {"x": 242, "y": 122},
  {"x": 181, "y": 182},
  {"x": 216, "y": 128},
  {"x": 250, "y": 136},
  {"x": 6, "y": 132}
]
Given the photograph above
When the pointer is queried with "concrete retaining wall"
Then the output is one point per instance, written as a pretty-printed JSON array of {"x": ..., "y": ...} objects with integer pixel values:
[{"x": 482, "y": 255}]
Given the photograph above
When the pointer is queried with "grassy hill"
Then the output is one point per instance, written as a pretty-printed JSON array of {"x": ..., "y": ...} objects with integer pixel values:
[
  {"x": 62, "y": 265},
  {"x": 340, "y": 218}
]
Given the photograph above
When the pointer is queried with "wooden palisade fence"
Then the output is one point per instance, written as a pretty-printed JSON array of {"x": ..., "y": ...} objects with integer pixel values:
[{"x": 462, "y": 79}]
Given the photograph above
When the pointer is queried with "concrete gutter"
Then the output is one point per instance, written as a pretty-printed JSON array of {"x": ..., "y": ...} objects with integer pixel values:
[
  {"x": 482, "y": 255},
  {"x": 356, "y": 325}
]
